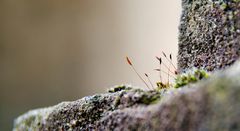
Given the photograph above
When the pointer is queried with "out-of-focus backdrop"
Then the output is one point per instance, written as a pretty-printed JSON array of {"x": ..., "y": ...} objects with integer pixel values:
[{"x": 62, "y": 50}]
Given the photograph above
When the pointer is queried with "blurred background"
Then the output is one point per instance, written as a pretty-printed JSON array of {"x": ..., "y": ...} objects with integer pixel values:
[{"x": 62, "y": 50}]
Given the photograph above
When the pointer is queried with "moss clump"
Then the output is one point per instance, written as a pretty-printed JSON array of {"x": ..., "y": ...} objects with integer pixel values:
[
  {"x": 119, "y": 88},
  {"x": 161, "y": 85},
  {"x": 137, "y": 97},
  {"x": 236, "y": 0},
  {"x": 150, "y": 99},
  {"x": 190, "y": 77},
  {"x": 31, "y": 120},
  {"x": 116, "y": 102}
]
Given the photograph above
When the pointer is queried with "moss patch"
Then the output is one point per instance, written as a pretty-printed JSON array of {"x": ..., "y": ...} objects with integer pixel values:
[{"x": 192, "y": 76}]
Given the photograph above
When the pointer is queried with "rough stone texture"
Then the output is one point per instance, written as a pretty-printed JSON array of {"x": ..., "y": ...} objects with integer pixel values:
[
  {"x": 209, "y": 34},
  {"x": 209, "y": 38},
  {"x": 84, "y": 113},
  {"x": 209, "y": 105}
]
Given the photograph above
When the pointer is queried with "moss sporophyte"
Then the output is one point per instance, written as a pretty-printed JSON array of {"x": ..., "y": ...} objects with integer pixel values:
[{"x": 180, "y": 80}]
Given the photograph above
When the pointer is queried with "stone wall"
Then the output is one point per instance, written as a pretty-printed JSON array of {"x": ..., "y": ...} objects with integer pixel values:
[{"x": 209, "y": 34}]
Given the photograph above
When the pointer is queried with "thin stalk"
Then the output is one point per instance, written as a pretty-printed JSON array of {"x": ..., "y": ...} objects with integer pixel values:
[
  {"x": 130, "y": 63},
  {"x": 149, "y": 80},
  {"x": 169, "y": 60},
  {"x": 160, "y": 67},
  {"x": 168, "y": 73},
  {"x": 168, "y": 68},
  {"x": 165, "y": 72}
]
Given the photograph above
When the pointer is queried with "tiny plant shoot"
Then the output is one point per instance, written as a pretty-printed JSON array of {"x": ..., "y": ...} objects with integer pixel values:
[
  {"x": 170, "y": 61},
  {"x": 180, "y": 79},
  {"x": 169, "y": 72},
  {"x": 160, "y": 63},
  {"x": 130, "y": 63},
  {"x": 149, "y": 80}
]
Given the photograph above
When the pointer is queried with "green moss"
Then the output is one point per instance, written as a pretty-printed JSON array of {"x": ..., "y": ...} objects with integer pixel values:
[
  {"x": 116, "y": 102},
  {"x": 190, "y": 77},
  {"x": 181, "y": 80},
  {"x": 150, "y": 98},
  {"x": 236, "y": 0},
  {"x": 119, "y": 88},
  {"x": 31, "y": 123},
  {"x": 223, "y": 6},
  {"x": 30, "y": 120},
  {"x": 161, "y": 85}
]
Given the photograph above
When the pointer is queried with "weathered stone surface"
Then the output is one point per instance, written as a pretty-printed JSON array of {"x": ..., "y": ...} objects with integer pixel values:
[
  {"x": 209, "y": 38},
  {"x": 211, "y": 104},
  {"x": 84, "y": 113},
  {"x": 209, "y": 34}
]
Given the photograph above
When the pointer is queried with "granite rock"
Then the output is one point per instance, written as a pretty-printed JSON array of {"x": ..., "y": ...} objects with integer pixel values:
[
  {"x": 209, "y": 39},
  {"x": 209, "y": 34},
  {"x": 210, "y": 104},
  {"x": 84, "y": 113}
]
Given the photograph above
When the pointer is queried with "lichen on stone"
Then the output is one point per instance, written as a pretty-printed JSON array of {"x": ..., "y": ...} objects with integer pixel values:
[{"x": 31, "y": 120}]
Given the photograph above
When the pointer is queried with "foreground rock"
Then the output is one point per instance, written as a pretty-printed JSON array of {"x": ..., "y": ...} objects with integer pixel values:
[
  {"x": 212, "y": 104},
  {"x": 84, "y": 113}
]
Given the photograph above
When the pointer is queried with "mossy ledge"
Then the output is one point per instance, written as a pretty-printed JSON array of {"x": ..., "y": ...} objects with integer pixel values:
[
  {"x": 210, "y": 104},
  {"x": 86, "y": 112},
  {"x": 209, "y": 39}
]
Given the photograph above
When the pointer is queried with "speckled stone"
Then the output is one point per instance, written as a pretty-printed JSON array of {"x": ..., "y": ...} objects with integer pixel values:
[
  {"x": 209, "y": 34},
  {"x": 83, "y": 114},
  {"x": 209, "y": 105},
  {"x": 209, "y": 38}
]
